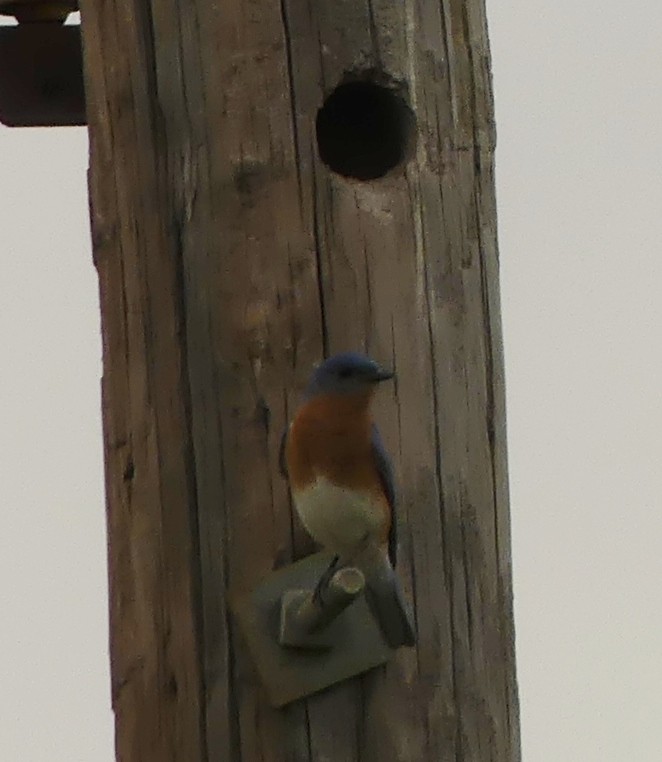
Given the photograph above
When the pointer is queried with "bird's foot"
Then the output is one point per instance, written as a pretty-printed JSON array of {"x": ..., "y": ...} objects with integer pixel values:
[{"x": 324, "y": 580}]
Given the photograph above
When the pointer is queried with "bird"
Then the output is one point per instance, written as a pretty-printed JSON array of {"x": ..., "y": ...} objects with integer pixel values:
[{"x": 342, "y": 484}]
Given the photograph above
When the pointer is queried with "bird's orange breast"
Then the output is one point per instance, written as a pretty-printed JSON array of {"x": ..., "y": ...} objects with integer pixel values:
[{"x": 330, "y": 438}]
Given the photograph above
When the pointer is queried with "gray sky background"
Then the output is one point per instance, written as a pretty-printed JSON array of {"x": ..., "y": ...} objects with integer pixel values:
[{"x": 579, "y": 183}]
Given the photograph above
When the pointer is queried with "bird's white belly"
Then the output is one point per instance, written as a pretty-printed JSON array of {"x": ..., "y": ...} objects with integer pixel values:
[{"x": 337, "y": 518}]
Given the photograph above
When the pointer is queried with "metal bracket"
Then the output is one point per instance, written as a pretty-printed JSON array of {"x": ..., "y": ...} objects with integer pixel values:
[
  {"x": 300, "y": 647},
  {"x": 41, "y": 75},
  {"x": 308, "y": 620}
]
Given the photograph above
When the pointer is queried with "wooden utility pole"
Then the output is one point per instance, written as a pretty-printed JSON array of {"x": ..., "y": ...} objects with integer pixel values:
[{"x": 241, "y": 232}]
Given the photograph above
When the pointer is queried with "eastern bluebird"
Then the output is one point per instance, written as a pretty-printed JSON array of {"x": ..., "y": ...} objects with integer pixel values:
[{"x": 341, "y": 481}]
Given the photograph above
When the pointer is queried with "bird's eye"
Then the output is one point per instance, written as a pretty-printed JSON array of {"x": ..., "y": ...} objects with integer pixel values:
[{"x": 344, "y": 372}]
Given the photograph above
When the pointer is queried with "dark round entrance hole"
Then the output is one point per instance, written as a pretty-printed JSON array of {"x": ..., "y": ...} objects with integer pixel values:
[{"x": 364, "y": 130}]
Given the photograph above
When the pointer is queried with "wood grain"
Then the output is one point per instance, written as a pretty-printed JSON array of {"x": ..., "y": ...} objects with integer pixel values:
[{"x": 230, "y": 260}]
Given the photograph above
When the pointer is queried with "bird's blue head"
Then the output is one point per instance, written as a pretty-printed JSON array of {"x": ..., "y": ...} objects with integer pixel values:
[{"x": 346, "y": 373}]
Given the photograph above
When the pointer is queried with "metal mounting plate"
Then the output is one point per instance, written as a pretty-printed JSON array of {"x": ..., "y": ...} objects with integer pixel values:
[
  {"x": 41, "y": 75},
  {"x": 288, "y": 673}
]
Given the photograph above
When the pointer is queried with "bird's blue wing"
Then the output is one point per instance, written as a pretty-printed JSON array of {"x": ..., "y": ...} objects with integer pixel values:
[{"x": 385, "y": 470}]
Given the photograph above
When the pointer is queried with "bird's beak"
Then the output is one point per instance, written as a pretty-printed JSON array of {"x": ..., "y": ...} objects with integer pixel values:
[{"x": 381, "y": 374}]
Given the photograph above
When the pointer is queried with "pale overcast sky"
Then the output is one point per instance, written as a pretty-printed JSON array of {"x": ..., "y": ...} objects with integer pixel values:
[{"x": 579, "y": 184}]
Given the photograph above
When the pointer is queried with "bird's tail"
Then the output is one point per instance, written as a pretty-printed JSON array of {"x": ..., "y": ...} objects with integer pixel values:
[{"x": 387, "y": 602}]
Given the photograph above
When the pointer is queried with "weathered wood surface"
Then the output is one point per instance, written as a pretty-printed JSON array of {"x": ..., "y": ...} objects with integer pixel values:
[{"x": 230, "y": 259}]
